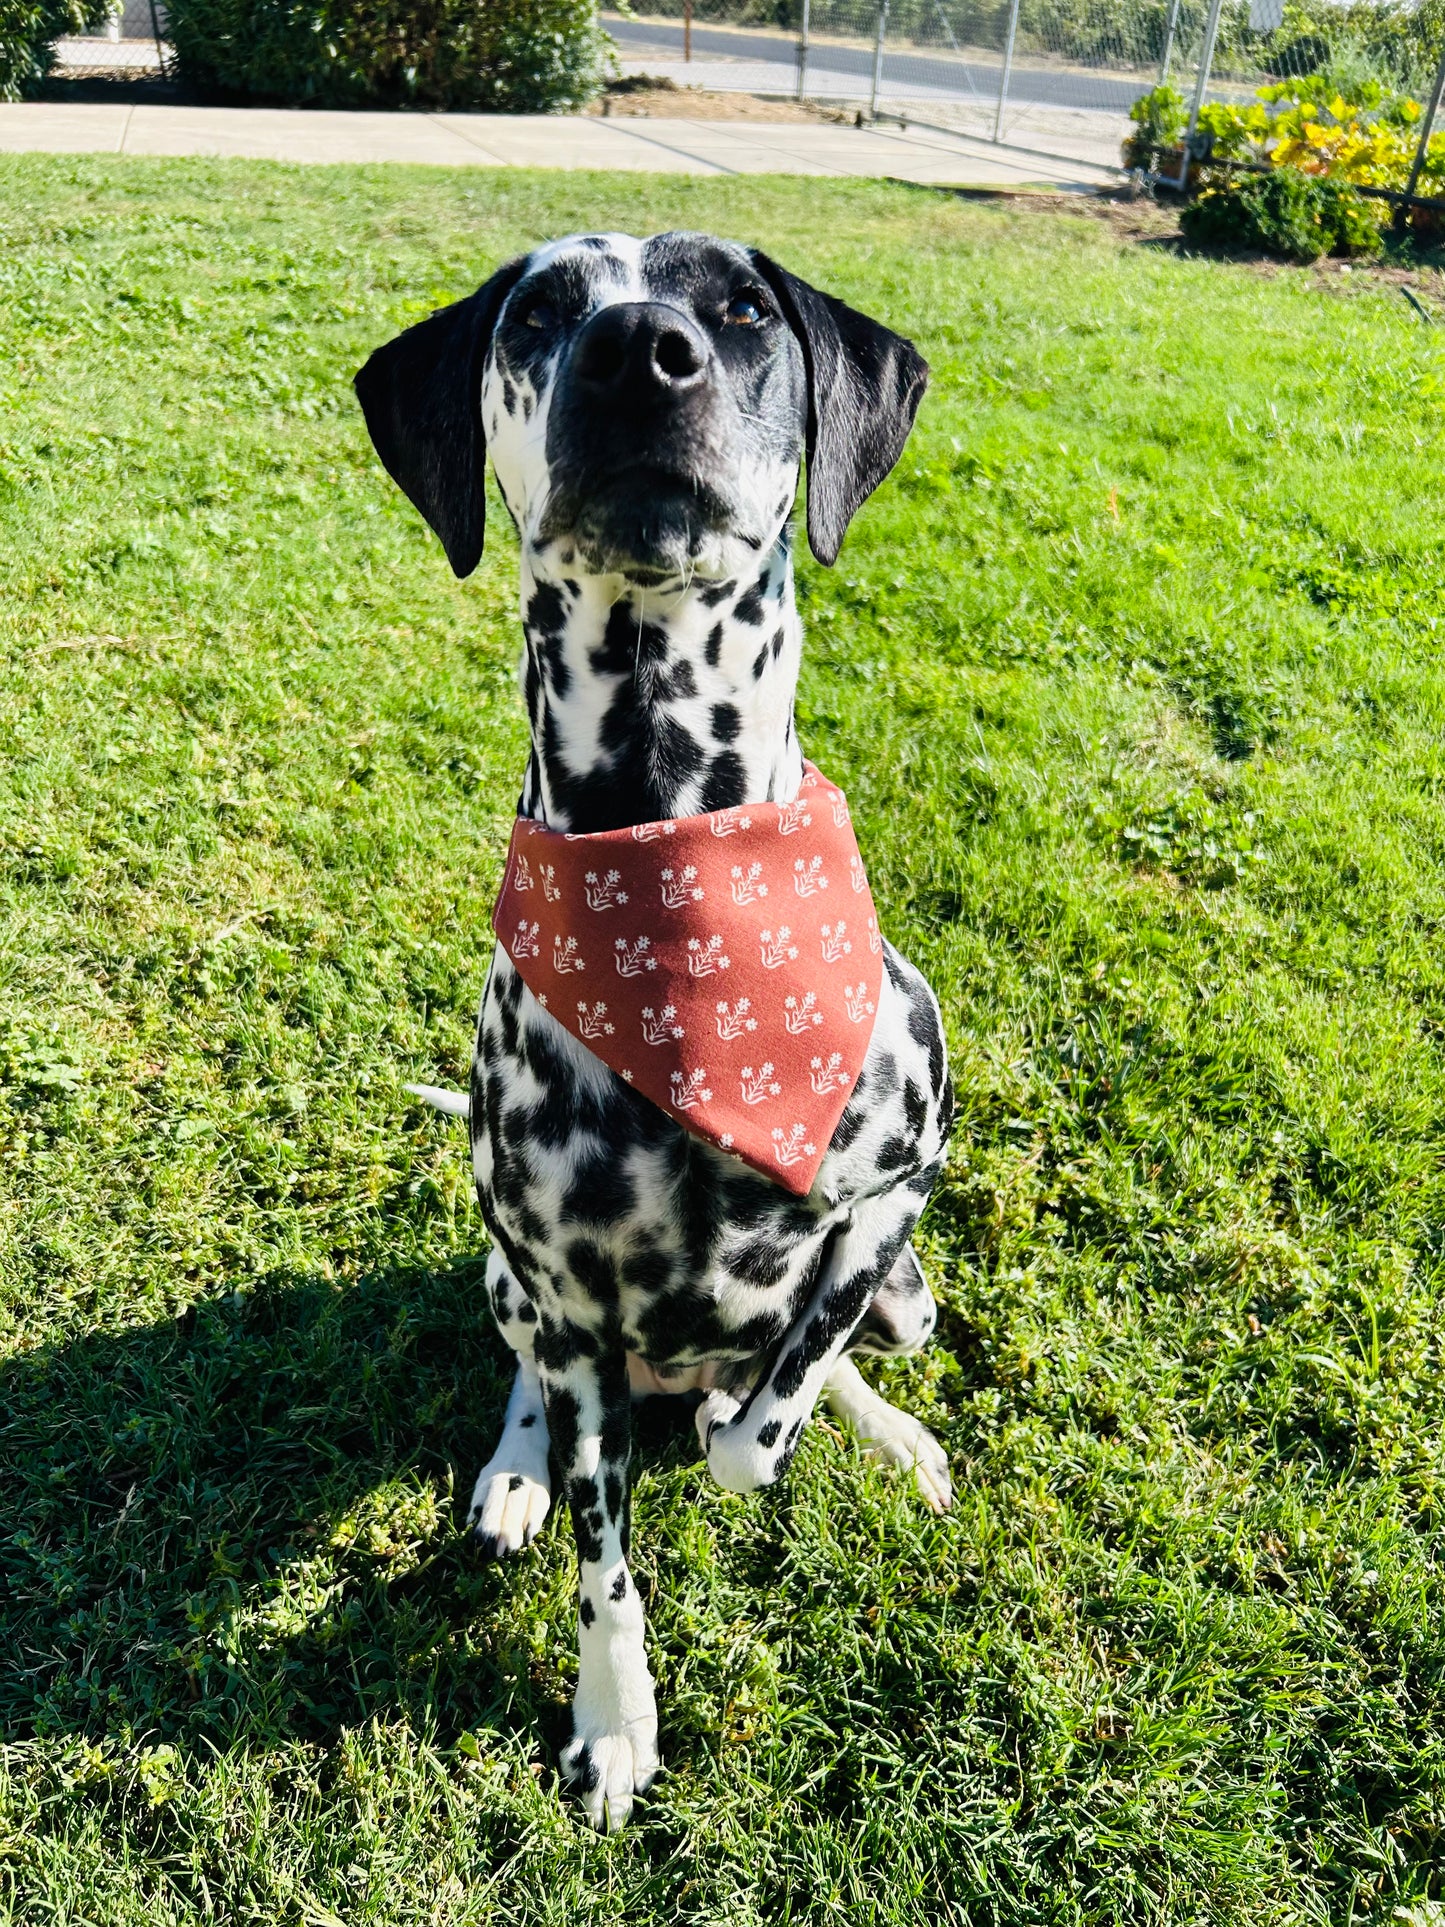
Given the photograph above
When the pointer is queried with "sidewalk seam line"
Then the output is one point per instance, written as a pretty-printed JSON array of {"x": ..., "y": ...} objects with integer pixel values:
[
  {"x": 439, "y": 116},
  {"x": 731, "y": 172}
]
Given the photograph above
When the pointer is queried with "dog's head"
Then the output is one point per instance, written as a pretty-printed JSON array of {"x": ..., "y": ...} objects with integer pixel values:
[{"x": 645, "y": 404}]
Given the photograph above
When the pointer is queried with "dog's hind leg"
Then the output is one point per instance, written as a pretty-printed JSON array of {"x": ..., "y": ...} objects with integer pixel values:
[
  {"x": 885, "y": 1433},
  {"x": 750, "y": 1445},
  {"x": 902, "y": 1315},
  {"x": 513, "y": 1492},
  {"x": 900, "y": 1320}
]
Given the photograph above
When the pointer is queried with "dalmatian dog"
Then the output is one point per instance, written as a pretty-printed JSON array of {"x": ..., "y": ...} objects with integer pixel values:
[{"x": 647, "y": 405}]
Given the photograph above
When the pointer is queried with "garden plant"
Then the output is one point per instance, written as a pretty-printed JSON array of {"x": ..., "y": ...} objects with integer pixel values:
[
  {"x": 508, "y": 56},
  {"x": 1282, "y": 174},
  {"x": 29, "y": 30},
  {"x": 1132, "y": 674}
]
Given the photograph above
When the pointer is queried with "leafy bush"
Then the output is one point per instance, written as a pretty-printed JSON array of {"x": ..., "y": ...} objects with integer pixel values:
[
  {"x": 1369, "y": 140},
  {"x": 1160, "y": 118},
  {"x": 510, "y": 56},
  {"x": 29, "y": 30},
  {"x": 1295, "y": 216}
]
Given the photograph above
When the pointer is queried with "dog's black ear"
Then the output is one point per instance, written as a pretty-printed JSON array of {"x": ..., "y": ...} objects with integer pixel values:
[
  {"x": 864, "y": 387},
  {"x": 422, "y": 398}
]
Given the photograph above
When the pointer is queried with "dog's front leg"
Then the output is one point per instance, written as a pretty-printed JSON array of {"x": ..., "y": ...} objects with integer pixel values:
[
  {"x": 613, "y": 1751},
  {"x": 513, "y": 1492},
  {"x": 750, "y": 1445}
]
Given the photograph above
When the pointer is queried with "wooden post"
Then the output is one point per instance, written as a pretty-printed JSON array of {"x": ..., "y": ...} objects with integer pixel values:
[
  {"x": 687, "y": 29},
  {"x": 878, "y": 60},
  {"x": 803, "y": 51}
]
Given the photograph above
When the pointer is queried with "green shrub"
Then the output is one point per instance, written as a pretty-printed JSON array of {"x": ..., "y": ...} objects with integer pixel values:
[
  {"x": 509, "y": 56},
  {"x": 1356, "y": 222},
  {"x": 29, "y": 30},
  {"x": 1294, "y": 216},
  {"x": 1160, "y": 118}
]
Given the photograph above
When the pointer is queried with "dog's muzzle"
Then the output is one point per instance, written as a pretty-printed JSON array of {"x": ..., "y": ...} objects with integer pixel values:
[{"x": 639, "y": 478}]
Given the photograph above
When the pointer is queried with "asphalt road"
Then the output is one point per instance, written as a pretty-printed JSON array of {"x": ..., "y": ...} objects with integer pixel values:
[{"x": 929, "y": 73}]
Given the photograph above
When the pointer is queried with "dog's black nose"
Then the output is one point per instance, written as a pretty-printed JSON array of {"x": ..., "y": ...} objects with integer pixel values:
[{"x": 639, "y": 343}]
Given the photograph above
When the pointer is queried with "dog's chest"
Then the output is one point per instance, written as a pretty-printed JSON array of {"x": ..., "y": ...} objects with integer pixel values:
[{"x": 614, "y": 1218}]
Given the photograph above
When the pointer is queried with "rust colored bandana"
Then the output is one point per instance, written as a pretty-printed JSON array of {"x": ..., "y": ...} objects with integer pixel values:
[{"x": 727, "y": 965}]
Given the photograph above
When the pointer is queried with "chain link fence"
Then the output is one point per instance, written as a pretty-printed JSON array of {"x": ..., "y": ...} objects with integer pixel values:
[{"x": 1057, "y": 77}]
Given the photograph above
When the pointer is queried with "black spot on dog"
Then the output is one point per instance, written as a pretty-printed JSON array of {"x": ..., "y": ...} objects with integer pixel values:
[
  {"x": 618, "y": 1589},
  {"x": 760, "y": 663},
  {"x": 717, "y": 592},
  {"x": 594, "y": 1270},
  {"x": 712, "y": 649},
  {"x": 600, "y": 1193},
  {"x": 557, "y": 1346},
  {"x": 726, "y": 722},
  {"x": 563, "y": 1424},
  {"x": 755, "y": 1335},
  {"x": 545, "y": 622},
  {"x": 587, "y": 1612},
  {"x": 680, "y": 685},
  {"x": 616, "y": 1430},
  {"x": 897, "y": 1151},
  {"x": 587, "y": 1531},
  {"x": 582, "y": 1492},
  {"x": 726, "y": 783},
  {"x": 530, "y": 1419},
  {"x": 768, "y": 1434},
  {"x": 763, "y": 1262},
  {"x": 750, "y": 605}
]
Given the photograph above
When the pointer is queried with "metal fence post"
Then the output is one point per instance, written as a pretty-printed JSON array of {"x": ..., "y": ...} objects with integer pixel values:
[
  {"x": 1171, "y": 25},
  {"x": 803, "y": 51},
  {"x": 1206, "y": 61},
  {"x": 160, "y": 44},
  {"x": 1008, "y": 62},
  {"x": 878, "y": 60},
  {"x": 1422, "y": 150}
]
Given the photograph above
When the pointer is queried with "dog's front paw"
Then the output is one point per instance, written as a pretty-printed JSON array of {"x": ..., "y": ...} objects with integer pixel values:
[
  {"x": 509, "y": 1505},
  {"x": 608, "y": 1769},
  {"x": 739, "y": 1458}
]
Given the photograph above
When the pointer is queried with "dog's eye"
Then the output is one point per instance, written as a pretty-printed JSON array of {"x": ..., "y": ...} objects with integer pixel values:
[
  {"x": 540, "y": 315},
  {"x": 744, "y": 311}
]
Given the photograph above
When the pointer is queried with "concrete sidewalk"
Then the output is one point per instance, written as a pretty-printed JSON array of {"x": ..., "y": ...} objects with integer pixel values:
[{"x": 507, "y": 140}]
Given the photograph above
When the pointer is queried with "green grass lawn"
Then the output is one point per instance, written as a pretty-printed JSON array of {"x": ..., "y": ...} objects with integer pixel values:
[{"x": 1133, "y": 674}]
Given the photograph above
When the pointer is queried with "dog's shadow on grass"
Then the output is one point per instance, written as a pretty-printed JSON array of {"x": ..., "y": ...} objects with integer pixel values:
[{"x": 234, "y": 1525}]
